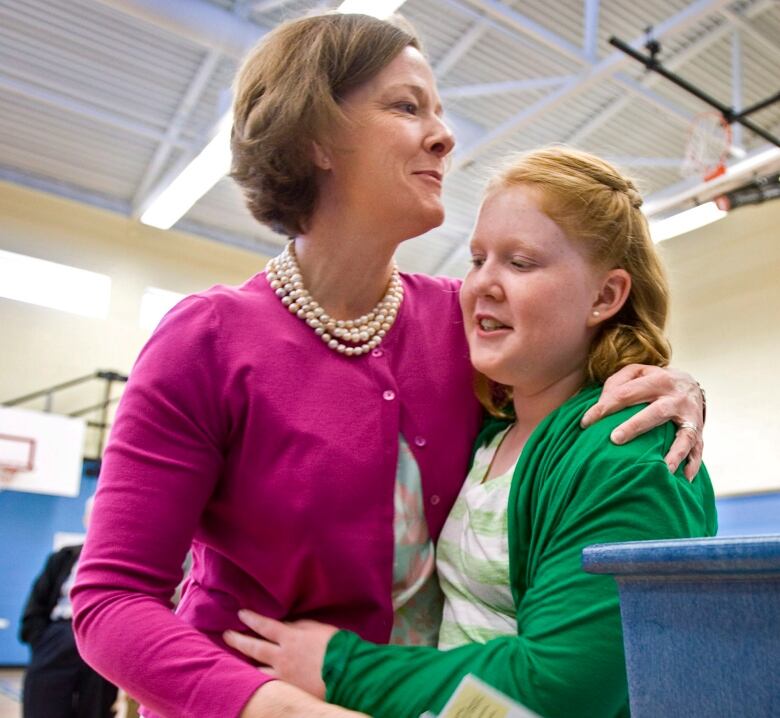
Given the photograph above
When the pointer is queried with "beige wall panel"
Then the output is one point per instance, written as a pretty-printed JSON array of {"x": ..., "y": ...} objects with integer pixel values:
[
  {"x": 725, "y": 329},
  {"x": 725, "y": 326},
  {"x": 40, "y": 346}
]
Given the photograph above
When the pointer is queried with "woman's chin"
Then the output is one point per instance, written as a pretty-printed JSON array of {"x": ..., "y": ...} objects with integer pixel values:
[{"x": 427, "y": 220}]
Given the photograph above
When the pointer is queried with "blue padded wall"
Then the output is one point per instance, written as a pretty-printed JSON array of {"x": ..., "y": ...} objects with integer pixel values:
[
  {"x": 28, "y": 523},
  {"x": 749, "y": 515}
]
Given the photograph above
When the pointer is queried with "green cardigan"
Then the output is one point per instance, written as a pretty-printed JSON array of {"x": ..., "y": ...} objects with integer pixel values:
[{"x": 572, "y": 487}]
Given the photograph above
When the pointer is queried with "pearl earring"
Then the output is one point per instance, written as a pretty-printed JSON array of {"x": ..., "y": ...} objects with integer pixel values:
[{"x": 596, "y": 313}]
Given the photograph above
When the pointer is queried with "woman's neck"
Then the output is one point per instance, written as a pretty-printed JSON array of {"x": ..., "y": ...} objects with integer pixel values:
[{"x": 346, "y": 270}]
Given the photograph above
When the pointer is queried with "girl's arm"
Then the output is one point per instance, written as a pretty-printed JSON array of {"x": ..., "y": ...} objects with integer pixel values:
[{"x": 567, "y": 656}]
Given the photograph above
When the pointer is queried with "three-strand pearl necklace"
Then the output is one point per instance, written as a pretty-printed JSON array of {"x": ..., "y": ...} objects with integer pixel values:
[{"x": 352, "y": 337}]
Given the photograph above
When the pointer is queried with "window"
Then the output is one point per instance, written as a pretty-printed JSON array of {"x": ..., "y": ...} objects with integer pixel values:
[
  {"x": 154, "y": 304},
  {"x": 57, "y": 286}
]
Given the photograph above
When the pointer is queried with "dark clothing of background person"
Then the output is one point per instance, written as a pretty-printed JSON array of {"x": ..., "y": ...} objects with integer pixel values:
[{"x": 58, "y": 683}]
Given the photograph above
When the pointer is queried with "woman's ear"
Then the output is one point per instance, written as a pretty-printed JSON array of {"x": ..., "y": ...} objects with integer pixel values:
[
  {"x": 320, "y": 156},
  {"x": 614, "y": 291}
]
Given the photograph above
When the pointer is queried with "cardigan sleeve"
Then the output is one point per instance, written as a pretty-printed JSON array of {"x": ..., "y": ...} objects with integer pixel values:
[
  {"x": 160, "y": 469},
  {"x": 567, "y": 657}
]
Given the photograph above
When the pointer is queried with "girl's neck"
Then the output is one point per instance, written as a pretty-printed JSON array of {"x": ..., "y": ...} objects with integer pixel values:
[
  {"x": 531, "y": 407},
  {"x": 533, "y": 404}
]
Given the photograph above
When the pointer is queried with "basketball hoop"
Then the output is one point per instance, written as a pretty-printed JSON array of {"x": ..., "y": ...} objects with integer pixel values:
[
  {"x": 17, "y": 455},
  {"x": 707, "y": 148}
]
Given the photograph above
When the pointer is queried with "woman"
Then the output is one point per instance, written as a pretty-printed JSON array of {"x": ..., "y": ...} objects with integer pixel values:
[
  {"x": 276, "y": 441},
  {"x": 565, "y": 288}
]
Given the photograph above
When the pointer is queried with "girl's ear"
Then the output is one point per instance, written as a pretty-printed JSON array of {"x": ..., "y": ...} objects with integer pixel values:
[
  {"x": 614, "y": 291},
  {"x": 320, "y": 156}
]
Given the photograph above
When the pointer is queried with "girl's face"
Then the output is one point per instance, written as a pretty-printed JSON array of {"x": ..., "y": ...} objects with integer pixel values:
[
  {"x": 529, "y": 298},
  {"x": 388, "y": 161}
]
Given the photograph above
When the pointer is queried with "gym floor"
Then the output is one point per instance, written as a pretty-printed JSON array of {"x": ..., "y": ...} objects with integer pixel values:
[{"x": 10, "y": 692}]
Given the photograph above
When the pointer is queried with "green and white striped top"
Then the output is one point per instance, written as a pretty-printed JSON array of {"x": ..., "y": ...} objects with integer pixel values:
[{"x": 473, "y": 558}]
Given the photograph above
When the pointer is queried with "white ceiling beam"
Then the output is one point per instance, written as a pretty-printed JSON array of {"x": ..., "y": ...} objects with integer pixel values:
[
  {"x": 266, "y": 5},
  {"x": 198, "y": 21},
  {"x": 516, "y": 122},
  {"x": 590, "y": 30},
  {"x": 496, "y": 88},
  {"x": 167, "y": 144},
  {"x": 64, "y": 190},
  {"x": 648, "y": 162},
  {"x": 68, "y": 104},
  {"x": 526, "y": 26},
  {"x": 671, "y": 109},
  {"x": 758, "y": 37},
  {"x": 736, "y": 87},
  {"x": 86, "y": 96},
  {"x": 492, "y": 24},
  {"x": 601, "y": 72},
  {"x": 464, "y": 43}
]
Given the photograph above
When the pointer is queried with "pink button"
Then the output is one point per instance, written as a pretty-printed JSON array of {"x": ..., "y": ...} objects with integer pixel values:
[
  {"x": 435, "y": 499},
  {"x": 420, "y": 441},
  {"x": 389, "y": 395},
  {"x": 377, "y": 353}
]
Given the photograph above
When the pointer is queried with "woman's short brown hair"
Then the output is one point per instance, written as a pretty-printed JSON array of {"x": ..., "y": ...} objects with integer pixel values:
[
  {"x": 599, "y": 209},
  {"x": 287, "y": 95}
]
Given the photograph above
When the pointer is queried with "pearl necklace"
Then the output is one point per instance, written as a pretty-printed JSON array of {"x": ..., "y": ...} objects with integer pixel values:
[{"x": 352, "y": 337}]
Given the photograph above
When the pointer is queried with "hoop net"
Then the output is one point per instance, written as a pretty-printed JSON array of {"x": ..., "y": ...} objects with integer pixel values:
[
  {"x": 8, "y": 473},
  {"x": 707, "y": 148}
]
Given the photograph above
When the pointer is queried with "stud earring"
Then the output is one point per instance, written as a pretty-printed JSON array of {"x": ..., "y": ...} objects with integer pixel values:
[{"x": 596, "y": 313}]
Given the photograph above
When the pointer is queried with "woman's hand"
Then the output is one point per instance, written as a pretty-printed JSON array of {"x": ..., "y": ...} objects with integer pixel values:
[
  {"x": 281, "y": 700},
  {"x": 293, "y": 652},
  {"x": 673, "y": 396}
]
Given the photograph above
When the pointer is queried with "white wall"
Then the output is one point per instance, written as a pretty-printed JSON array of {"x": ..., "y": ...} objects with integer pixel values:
[
  {"x": 725, "y": 330},
  {"x": 725, "y": 325},
  {"x": 41, "y": 347}
]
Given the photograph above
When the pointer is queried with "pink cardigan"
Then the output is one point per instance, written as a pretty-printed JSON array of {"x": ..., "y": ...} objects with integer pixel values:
[{"x": 242, "y": 433}]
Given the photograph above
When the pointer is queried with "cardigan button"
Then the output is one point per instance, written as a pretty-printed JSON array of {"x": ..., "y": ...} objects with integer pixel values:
[
  {"x": 388, "y": 395},
  {"x": 377, "y": 353},
  {"x": 420, "y": 441},
  {"x": 435, "y": 499}
]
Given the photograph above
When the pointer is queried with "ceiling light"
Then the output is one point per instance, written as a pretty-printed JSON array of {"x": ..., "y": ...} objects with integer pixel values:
[
  {"x": 686, "y": 221},
  {"x": 197, "y": 178},
  {"x": 376, "y": 8}
]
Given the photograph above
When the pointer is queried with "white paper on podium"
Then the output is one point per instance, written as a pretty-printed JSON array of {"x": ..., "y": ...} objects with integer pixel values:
[{"x": 474, "y": 698}]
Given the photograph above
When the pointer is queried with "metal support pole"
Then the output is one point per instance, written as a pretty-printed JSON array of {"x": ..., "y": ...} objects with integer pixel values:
[
  {"x": 728, "y": 113},
  {"x": 50, "y": 390},
  {"x": 760, "y": 105}
]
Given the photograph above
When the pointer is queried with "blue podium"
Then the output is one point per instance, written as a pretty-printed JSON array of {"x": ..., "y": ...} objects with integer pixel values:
[{"x": 701, "y": 624}]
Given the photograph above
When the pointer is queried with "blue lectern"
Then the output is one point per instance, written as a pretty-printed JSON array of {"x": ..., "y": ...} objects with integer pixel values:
[{"x": 701, "y": 624}]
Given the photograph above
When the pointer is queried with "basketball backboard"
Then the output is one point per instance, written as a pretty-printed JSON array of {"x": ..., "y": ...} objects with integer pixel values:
[{"x": 40, "y": 453}]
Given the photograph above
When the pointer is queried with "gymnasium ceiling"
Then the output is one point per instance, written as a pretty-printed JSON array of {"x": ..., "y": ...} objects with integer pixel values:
[{"x": 104, "y": 101}]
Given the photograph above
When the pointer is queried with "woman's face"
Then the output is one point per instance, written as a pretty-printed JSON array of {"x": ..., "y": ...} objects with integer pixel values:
[
  {"x": 387, "y": 163},
  {"x": 528, "y": 299}
]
